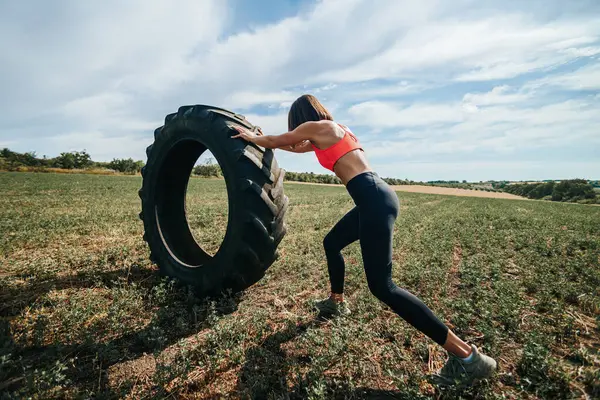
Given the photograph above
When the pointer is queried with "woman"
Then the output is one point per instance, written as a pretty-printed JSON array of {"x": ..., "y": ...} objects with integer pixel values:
[{"x": 311, "y": 128}]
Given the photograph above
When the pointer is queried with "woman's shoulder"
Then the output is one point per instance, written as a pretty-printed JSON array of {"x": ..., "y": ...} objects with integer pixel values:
[
  {"x": 328, "y": 128},
  {"x": 344, "y": 127},
  {"x": 324, "y": 127}
]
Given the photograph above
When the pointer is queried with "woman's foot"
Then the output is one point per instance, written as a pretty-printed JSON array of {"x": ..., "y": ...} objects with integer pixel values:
[
  {"x": 330, "y": 307},
  {"x": 459, "y": 372}
]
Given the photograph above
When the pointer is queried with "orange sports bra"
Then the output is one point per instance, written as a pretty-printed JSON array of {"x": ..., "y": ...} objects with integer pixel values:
[{"x": 329, "y": 156}]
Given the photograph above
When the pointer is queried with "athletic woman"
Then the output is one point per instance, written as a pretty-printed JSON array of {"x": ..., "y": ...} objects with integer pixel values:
[{"x": 311, "y": 128}]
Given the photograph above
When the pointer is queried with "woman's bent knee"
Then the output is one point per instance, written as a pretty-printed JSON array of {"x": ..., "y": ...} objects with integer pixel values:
[
  {"x": 329, "y": 244},
  {"x": 381, "y": 290}
]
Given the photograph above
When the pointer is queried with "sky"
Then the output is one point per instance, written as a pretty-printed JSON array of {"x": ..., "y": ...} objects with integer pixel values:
[{"x": 435, "y": 90}]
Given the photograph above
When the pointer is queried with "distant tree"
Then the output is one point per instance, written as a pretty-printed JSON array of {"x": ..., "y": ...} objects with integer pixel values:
[
  {"x": 567, "y": 190},
  {"x": 14, "y": 159},
  {"x": 209, "y": 169},
  {"x": 64, "y": 160},
  {"x": 126, "y": 166},
  {"x": 542, "y": 190},
  {"x": 71, "y": 160},
  {"x": 82, "y": 159}
]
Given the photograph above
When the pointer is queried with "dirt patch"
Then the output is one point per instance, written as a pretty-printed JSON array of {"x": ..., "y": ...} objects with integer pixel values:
[
  {"x": 144, "y": 367},
  {"x": 453, "y": 275},
  {"x": 455, "y": 192},
  {"x": 436, "y": 190}
]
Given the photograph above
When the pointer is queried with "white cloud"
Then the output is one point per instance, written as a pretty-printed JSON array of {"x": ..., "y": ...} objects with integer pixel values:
[
  {"x": 419, "y": 148},
  {"x": 248, "y": 99},
  {"x": 326, "y": 87},
  {"x": 496, "y": 129},
  {"x": 89, "y": 45},
  {"x": 269, "y": 124},
  {"x": 368, "y": 90},
  {"x": 502, "y": 46},
  {"x": 381, "y": 114},
  {"x": 498, "y": 95},
  {"x": 96, "y": 68},
  {"x": 100, "y": 146},
  {"x": 102, "y": 75},
  {"x": 504, "y": 69},
  {"x": 585, "y": 78},
  {"x": 111, "y": 110}
]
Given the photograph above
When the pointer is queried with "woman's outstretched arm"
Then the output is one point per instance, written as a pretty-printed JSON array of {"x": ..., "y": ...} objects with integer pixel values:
[
  {"x": 302, "y": 147},
  {"x": 303, "y": 133}
]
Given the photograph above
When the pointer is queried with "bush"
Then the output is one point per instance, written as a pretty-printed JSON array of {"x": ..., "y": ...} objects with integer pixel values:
[
  {"x": 209, "y": 169},
  {"x": 3, "y": 164},
  {"x": 12, "y": 160},
  {"x": 573, "y": 190},
  {"x": 311, "y": 177},
  {"x": 394, "y": 181},
  {"x": 72, "y": 160},
  {"x": 126, "y": 166}
]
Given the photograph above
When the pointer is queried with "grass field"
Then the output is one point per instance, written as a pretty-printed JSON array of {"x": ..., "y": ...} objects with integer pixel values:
[{"x": 83, "y": 312}]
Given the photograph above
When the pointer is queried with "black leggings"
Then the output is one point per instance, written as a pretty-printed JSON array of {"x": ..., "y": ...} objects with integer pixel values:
[{"x": 372, "y": 221}]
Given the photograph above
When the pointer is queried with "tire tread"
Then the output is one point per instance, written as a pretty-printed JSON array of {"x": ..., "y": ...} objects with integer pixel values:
[{"x": 259, "y": 231}]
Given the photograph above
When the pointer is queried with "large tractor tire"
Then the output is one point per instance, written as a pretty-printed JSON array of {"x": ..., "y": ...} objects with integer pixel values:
[{"x": 256, "y": 209}]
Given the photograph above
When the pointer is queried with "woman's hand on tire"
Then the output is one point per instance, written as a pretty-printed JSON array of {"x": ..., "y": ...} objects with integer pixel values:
[{"x": 245, "y": 134}]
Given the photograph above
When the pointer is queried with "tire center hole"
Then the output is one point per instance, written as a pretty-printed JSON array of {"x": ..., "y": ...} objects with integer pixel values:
[{"x": 207, "y": 204}]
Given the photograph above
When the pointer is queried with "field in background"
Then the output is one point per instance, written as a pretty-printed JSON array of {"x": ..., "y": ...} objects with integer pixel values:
[
  {"x": 455, "y": 192},
  {"x": 84, "y": 313},
  {"x": 441, "y": 190}
]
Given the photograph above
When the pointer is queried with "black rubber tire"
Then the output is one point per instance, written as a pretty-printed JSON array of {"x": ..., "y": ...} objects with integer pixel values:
[{"x": 257, "y": 203}]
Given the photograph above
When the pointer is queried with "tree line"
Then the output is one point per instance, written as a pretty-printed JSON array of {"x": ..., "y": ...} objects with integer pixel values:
[
  {"x": 570, "y": 190},
  {"x": 12, "y": 161},
  {"x": 573, "y": 190}
]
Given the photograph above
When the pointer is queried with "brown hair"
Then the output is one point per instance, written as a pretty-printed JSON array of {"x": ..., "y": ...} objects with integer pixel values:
[{"x": 306, "y": 108}]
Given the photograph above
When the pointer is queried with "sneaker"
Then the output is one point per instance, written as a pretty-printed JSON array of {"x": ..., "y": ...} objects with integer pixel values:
[
  {"x": 461, "y": 373},
  {"x": 328, "y": 307}
]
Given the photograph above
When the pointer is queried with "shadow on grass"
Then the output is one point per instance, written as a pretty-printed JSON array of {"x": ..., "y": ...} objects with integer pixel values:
[
  {"x": 267, "y": 368},
  {"x": 82, "y": 366}
]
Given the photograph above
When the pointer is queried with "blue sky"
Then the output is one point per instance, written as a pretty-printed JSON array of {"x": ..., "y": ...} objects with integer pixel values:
[{"x": 465, "y": 89}]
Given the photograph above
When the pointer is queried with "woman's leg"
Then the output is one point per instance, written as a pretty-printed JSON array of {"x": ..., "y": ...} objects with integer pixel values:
[
  {"x": 378, "y": 211},
  {"x": 340, "y": 236},
  {"x": 376, "y": 229},
  {"x": 376, "y": 244},
  {"x": 457, "y": 346}
]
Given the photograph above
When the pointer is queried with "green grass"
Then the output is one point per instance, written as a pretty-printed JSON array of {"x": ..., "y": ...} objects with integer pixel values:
[{"x": 84, "y": 313}]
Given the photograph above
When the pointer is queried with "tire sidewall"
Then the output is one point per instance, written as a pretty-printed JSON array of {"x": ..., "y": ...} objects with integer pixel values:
[{"x": 173, "y": 133}]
